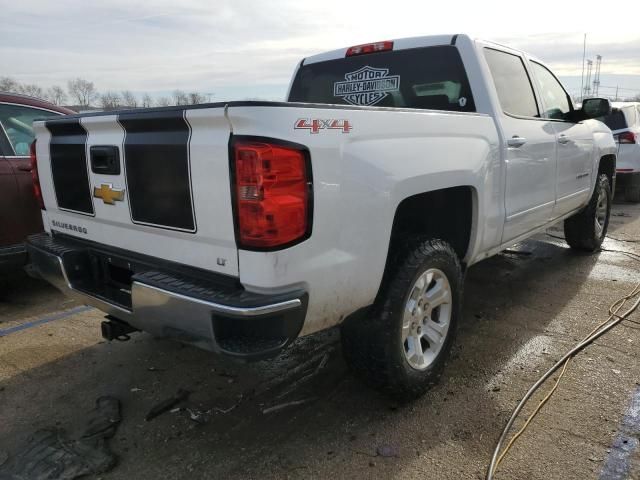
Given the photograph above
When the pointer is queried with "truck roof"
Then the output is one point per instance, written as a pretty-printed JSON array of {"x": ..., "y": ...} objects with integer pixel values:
[
  {"x": 412, "y": 42},
  {"x": 398, "y": 44}
]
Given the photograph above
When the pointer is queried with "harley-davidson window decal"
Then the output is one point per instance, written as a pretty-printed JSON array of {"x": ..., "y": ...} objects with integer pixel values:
[{"x": 366, "y": 86}]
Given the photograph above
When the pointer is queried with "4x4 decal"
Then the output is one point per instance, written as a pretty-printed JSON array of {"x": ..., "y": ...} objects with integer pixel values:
[{"x": 314, "y": 125}]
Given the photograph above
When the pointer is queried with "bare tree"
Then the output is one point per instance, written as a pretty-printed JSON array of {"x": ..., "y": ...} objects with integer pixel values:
[
  {"x": 128, "y": 99},
  {"x": 31, "y": 90},
  {"x": 180, "y": 97},
  {"x": 82, "y": 91},
  {"x": 8, "y": 84},
  {"x": 163, "y": 101},
  {"x": 56, "y": 95},
  {"x": 147, "y": 101},
  {"x": 195, "y": 98},
  {"x": 110, "y": 100}
]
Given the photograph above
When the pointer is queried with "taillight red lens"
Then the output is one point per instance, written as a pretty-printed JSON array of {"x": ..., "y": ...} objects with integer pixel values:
[
  {"x": 627, "y": 137},
  {"x": 370, "y": 48},
  {"x": 35, "y": 178},
  {"x": 272, "y": 194}
]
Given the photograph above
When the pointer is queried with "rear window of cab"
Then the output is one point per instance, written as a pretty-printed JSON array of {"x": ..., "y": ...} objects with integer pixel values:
[{"x": 423, "y": 78}]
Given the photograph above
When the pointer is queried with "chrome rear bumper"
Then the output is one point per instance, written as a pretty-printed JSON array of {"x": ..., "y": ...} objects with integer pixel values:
[{"x": 225, "y": 320}]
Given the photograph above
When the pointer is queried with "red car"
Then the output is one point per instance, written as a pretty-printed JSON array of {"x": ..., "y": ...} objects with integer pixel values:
[{"x": 19, "y": 211}]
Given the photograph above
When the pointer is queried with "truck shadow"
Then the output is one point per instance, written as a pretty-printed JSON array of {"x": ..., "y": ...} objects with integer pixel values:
[
  {"x": 303, "y": 415},
  {"x": 17, "y": 291}
]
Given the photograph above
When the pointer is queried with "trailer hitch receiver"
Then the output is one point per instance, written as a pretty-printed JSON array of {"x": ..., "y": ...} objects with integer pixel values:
[{"x": 115, "y": 329}]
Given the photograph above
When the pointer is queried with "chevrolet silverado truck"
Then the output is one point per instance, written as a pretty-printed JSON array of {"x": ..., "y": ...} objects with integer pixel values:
[{"x": 361, "y": 201}]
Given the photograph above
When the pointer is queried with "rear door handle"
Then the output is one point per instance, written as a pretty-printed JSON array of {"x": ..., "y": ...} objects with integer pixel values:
[
  {"x": 563, "y": 139},
  {"x": 24, "y": 168},
  {"x": 516, "y": 141}
]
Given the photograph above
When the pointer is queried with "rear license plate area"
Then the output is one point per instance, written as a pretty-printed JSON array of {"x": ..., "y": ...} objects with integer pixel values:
[{"x": 109, "y": 278}]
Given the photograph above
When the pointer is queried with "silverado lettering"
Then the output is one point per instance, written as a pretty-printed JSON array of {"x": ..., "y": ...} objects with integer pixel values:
[{"x": 68, "y": 226}]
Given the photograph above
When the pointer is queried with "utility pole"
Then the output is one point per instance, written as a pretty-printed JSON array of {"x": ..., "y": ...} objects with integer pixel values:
[
  {"x": 584, "y": 54},
  {"x": 596, "y": 77},
  {"x": 617, "y": 86},
  {"x": 587, "y": 84}
]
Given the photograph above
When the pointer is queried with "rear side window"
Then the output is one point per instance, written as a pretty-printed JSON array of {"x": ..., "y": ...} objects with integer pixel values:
[
  {"x": 615, "y": 120},
  {"x": 425, "y": 78},
  {"x": 512, "y": 83}
]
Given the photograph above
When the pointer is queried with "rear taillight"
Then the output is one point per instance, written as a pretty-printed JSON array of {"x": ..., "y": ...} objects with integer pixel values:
[
  {"x": 370, "y": 48},
  {"x": 35, "y": 178},
  {"x": 627, "y": 137},
  {"x": 272, "y": 189}
]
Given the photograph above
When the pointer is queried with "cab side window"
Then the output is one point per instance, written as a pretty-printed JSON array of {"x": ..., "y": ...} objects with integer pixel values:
[
  {"x": 555, "y": 100},
  {"x": 16, "y": 122},
  {"x": 512, "y": 83}
]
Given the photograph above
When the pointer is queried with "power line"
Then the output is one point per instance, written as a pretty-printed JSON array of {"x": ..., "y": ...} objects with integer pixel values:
[{"x": 621, "y": 88}]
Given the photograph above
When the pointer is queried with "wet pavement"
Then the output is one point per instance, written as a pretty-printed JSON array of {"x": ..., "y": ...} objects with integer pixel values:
[{"x": 303, "y": 415}]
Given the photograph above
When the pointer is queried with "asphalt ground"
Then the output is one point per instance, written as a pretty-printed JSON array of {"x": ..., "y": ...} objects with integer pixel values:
[{"x": 304, "y": 415}]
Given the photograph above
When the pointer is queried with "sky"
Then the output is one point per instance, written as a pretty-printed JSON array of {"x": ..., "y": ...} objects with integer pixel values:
[{"x": 241, "y": 49}]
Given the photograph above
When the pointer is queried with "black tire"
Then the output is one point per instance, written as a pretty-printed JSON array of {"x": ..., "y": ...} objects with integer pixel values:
[
  {"x": 373, "y": 346},
  {"x": 580, "y": 230}
]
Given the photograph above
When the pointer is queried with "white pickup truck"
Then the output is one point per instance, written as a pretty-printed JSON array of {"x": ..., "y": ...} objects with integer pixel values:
[{"x": 392, "y": 168}]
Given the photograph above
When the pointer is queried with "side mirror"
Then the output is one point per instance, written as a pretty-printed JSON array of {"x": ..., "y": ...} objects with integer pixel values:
[{"x": 596, "y": 107}]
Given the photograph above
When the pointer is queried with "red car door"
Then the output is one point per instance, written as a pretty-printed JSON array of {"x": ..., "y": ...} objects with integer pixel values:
[
  {"x": 24, "y": 217},
  {"x": 10, "y": 229},
  {"x": 26, "y": 204}
]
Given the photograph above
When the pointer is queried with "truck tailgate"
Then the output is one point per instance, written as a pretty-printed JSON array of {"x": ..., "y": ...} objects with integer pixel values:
[{"x": 152, "y": 181}]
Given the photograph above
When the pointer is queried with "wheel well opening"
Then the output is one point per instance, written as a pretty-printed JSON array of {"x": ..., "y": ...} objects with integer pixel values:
[
  {"x": 446, "y": 214},
  {"x": 608, "y": 167}
]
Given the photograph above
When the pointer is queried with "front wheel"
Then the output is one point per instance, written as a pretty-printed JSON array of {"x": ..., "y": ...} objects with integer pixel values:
[
  {"x": 402, "y": 346},
  {"x": 586, "y": 229}
]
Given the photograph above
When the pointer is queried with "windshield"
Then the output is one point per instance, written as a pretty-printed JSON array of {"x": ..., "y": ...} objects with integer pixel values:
[{"x": 425, "y": 78}]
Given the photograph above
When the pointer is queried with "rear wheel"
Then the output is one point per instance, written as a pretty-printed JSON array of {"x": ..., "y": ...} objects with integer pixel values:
[
  {"x": 586, "y": 229},
  {"x": 402, "y": 346}
]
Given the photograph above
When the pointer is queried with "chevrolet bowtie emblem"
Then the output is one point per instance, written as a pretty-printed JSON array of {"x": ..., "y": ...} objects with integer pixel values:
[{"x": 108, "y": 194}]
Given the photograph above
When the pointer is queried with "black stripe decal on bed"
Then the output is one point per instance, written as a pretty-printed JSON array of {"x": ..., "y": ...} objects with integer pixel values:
[
  {"x": 157, "y": 169},
  {"x": 68, "y": 153}
]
